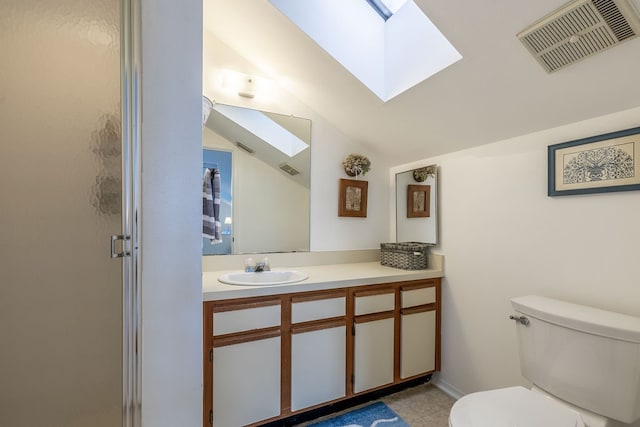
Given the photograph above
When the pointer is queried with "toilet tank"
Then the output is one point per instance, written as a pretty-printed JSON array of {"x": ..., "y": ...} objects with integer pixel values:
[{"x": 583, "y": 355}]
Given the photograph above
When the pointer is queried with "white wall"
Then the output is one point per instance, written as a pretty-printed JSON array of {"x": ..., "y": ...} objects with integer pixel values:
[
  {"x": 171, "y": 213},
  {"x": 503, "y": 237},
  {"x": 328, "y": 148}
]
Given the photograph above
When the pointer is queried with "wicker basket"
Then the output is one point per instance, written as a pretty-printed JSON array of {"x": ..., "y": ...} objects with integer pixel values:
[{"x": 404, "y": 255}]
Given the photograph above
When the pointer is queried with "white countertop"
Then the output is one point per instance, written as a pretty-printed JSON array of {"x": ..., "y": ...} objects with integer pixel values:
[{"x": 320, "y": 277}]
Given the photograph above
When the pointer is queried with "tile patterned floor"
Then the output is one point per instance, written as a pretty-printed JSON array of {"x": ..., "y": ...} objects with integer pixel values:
[{"x": 421, "y": 406}]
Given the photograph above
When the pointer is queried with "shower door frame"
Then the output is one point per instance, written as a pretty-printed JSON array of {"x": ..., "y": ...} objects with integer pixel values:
[{"x": 131, "y": 71}]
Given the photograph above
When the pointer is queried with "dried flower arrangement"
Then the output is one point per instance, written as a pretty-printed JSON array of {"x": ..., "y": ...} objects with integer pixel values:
[
  {"x": 356, "y": 164},
  {"x": 421, "y": 174}
]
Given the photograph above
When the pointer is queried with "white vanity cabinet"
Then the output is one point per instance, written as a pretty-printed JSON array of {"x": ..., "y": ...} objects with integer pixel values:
[
  {"x": 271, "y": 357},
  {"x": 318, "y": 348}
]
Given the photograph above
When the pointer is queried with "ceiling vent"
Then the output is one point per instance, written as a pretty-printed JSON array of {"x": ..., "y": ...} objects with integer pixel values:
[
  {"x": 244, "y": 147},
  {"x": 289, "y": 169},
  {"x": 580, "y": 29}
]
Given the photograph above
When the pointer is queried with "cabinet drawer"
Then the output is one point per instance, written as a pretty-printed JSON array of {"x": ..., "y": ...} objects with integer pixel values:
[
  {"x": 374, "y": 303},
  {"x": 418, "y": 296},
  {"x": 305, "y": 311},
  {"x": 246, "y": 319}
]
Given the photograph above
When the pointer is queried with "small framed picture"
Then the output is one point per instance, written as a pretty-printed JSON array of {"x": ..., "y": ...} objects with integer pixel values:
[
  {"x": 418, "y": 201},
  {"x": 352, "y": 198},
  {"x": 598, "y": 164}
]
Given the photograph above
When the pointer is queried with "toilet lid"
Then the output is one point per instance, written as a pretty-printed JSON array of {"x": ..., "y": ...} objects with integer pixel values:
[{"x": 511, "y": 407}]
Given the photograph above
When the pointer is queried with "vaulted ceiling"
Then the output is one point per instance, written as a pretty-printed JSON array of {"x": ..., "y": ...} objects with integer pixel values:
[{"x": 495, "y": 92}]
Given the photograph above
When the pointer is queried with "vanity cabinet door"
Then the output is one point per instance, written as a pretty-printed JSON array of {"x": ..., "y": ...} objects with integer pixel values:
[
  {"x": 318, "y": 366},
  {"x": 417, "y": 343},
  {"x": 318, "y": 348},
  {"x": 246, "y": 386},
  {"x": 373, "y": 354},
  {"x": 373, "y": 341}
]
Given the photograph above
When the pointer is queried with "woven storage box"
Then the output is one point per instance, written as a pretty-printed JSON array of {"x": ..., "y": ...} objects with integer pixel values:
[{"x": 404, "y": 255}]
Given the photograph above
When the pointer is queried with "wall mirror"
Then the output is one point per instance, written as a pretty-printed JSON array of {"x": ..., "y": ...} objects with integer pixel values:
[
  {"x": 416, "y": 209},
  {"x": 269, "y": 206}
]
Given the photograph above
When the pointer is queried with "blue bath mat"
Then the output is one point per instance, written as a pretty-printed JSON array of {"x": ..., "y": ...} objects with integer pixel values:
[{"x": 375, "y": 415}]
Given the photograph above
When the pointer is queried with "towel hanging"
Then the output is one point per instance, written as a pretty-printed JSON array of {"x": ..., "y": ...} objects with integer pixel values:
[
  {"x": 216, "y": 185},
  {"x": 211, "y": 226},
  {"x": 208, "y": 225}
]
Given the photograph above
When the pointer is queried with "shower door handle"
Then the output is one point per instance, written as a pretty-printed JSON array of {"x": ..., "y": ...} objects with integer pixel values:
[
  {"x": 124, "y": 253},
  {"x": 520, "y": 319}
]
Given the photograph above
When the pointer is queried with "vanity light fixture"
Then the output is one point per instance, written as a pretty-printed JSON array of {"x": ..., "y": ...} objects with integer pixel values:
[
  {"x": 245, "y": 85},
  {"x": 247, "y": 88}
]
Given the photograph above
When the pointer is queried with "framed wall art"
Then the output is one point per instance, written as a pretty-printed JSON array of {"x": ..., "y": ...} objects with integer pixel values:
[
  {"x": 598, "y": 164},
  {"x": 352, "y": 198},
  {"x": 418, "y": 201}
]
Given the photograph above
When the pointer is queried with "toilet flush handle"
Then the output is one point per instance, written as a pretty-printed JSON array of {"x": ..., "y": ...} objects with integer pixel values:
[{"x": 520, "y": 319}]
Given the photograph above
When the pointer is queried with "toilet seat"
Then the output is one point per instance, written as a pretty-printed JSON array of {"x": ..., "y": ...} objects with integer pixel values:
[{"x": 511, "y": 407}]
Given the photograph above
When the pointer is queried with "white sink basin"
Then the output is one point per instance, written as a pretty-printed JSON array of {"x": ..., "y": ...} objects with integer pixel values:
[{"x": 263, "y": 278}]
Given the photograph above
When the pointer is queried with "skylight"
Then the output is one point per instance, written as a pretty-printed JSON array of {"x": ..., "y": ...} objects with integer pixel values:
[
  {"x": 388, "y": 56},
  {"x": 386, "y": 8},
  {"x": 380, "y": 8}
]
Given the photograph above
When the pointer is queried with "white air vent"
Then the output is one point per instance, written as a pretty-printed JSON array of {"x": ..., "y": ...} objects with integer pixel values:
[{"x": 580, "y": 29}]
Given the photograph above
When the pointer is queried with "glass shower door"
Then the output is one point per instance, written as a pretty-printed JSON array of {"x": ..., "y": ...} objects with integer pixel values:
[{"x": 61, "y": 293}]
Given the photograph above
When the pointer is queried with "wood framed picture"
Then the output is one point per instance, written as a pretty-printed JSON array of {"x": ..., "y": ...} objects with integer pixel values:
[
  {"x": 598, "y": 164},
  {"x": 352, "y": 198},
  {"x": 418, "y": 201}
]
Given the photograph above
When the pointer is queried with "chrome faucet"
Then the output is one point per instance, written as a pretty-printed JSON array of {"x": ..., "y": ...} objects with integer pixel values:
[{"x": 258, "y": 267}]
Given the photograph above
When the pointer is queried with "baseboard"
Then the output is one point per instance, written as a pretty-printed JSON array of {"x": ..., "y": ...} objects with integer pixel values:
[{"x": 446, "y": 388}]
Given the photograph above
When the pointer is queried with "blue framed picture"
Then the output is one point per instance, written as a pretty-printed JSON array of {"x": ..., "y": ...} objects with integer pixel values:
[{"x": 598, "y": 164}]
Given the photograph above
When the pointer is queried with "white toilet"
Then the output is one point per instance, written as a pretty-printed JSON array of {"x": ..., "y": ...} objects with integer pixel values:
[{"x": 584, "y": 364}]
